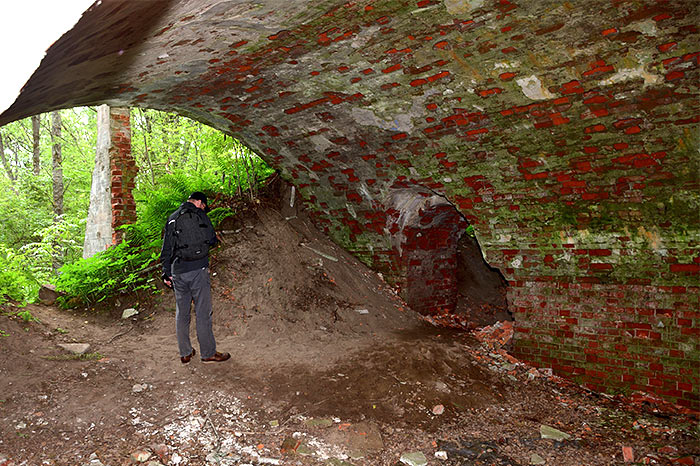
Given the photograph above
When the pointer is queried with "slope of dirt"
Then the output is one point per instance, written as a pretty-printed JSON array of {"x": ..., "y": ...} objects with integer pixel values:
[{"x": 328, "y": 367}]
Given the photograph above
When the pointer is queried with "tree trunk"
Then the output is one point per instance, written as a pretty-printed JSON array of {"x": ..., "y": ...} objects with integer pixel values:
[
  {"x": 57, "y": 163},
  {"x": 5, "y": 163},
  {"x": 36, "y": 121},
  {"x": 238, "y": 174},
  {"x": 146, "y": 129}
]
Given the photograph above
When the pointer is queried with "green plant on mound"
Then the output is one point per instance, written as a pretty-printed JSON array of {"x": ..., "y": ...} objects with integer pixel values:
[
  {"x": 26, "y": 316},
  {"x": 219, "y": 214}
]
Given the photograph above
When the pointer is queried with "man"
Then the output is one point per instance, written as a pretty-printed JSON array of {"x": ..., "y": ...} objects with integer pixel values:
[{"x": 188, "y": 237}]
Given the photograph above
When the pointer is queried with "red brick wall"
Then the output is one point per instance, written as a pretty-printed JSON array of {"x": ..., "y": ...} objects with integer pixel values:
[
  {"x": 123, "y": 171},
  {"x": 624, "y": 337}
]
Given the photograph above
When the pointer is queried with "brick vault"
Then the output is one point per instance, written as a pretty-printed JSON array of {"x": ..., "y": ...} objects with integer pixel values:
[{"x": 565, "y": 133}]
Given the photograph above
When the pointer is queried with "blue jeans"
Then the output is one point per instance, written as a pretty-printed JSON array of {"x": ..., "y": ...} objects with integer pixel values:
[{"x": 194, "y": 286}]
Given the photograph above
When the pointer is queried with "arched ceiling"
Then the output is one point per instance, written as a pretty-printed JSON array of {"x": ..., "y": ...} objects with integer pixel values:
[
  {"x": 566, "y": 133},
  {"x": 525, "y": 115}
]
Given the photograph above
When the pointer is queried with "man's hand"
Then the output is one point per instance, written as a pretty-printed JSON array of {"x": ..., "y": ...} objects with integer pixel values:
[{"x": 168, "y": 282}]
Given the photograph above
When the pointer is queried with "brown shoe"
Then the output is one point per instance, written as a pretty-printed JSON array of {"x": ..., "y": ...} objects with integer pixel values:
[
  {"x": 186, "y": 359},
  {"x": 218, "y": 357}
]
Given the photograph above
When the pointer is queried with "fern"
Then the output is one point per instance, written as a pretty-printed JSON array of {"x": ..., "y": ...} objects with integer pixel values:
[{"x": 123, "y": 268}]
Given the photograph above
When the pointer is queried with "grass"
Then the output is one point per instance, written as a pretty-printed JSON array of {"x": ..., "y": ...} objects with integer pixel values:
[{"x": 75, "y": 357}]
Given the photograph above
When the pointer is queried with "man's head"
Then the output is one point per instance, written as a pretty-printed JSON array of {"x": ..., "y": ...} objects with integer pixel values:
[{"x": 199, "y": 199}]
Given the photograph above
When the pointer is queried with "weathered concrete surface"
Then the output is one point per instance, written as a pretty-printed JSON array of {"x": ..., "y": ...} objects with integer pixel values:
[
  {"x": 98, "y": 230},
  {"x": 565, "y": 132},
  {"x": 113, "y": 180}
]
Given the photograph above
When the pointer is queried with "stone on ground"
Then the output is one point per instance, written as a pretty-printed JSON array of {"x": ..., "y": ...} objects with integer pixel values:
[
  {"x": 552, "y": 433},
  {"x": 414, "y": 458},
  {"x": 130, "y": 312},
  {"x": 48, "y": 294},
  {"x": 75, "y": 348},
  {"x": 140, "y": 456}
]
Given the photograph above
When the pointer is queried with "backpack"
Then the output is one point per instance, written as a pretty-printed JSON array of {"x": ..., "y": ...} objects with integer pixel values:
[{"x": 192, "y": 235}]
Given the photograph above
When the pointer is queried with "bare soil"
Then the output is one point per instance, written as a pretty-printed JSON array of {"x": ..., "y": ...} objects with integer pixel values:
[{"x": 329, "y": 367}]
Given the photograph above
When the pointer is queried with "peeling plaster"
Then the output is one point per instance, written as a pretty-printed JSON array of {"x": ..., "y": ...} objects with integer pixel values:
[
  {"x": 626, "y": 74},
  {"x": 320, "y": 142},
  {"x": 460, "y": 7},
  {"x": 532, "y": 88},
  {"x": 401, "y": 122},
  {"x": 367, "y": 117},
  {"x": 647, "y": 27},
  {"x": 409, "y": 203},
  {"x": 363, "y": 37}
]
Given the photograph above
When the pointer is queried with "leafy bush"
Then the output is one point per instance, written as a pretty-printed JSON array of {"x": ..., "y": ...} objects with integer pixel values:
[
  {"x": 117, "y": 269},
  {"x": 16, "y": 280},
  {"x": 57, "y": 244}
]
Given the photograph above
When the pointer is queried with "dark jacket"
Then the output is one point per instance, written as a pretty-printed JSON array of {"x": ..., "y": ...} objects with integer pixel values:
[{"x": 172, "y": 264}]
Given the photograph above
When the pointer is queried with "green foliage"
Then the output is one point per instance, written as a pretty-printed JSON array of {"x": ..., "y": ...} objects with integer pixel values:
[
  {"x": 219, "y": 214},
  {"x": 59, "y": 240},
  {"x": 165, "y": 144},
  {"x": 16, "y": 280},
  {"x": 26, "y": 202},
  {"x": 118, "y": 269},
  {"x": 26, "y": 316},
  {"x": 76, "y": 357},
  {"x": 175, "y": 156}
]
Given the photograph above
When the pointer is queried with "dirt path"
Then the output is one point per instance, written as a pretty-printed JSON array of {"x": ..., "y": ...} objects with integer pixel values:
[{"x": 328, "y": 367}]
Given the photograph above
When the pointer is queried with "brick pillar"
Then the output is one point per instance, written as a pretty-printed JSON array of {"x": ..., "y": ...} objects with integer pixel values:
[{"x": 123, "y": 171}]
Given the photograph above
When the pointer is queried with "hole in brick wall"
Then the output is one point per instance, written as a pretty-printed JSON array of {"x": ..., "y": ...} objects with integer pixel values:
[
  {"x": 443, "y": 271},
  {"x": 481, "y": 289}
]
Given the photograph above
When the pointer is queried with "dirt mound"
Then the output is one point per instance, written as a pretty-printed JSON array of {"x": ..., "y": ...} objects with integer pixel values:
[
  {"x": 329, "y": 367},
  {"x": 279, "y": 282}
]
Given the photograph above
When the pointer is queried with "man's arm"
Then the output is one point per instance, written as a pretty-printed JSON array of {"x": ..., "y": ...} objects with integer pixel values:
[
  {"x": 167, "y": 254},
  {"x": 213, "y": 239}
]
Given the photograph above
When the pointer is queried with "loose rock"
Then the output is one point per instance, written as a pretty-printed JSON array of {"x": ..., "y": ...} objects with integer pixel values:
[
  {"x": 75, "y": 348},
  {"x": 414, "y": 458},
  {"x": 48, "y": 294},
  {"x": 319, "y": 422},
  {"x": 130, "y": 312},
  {"x": 139, "y": 387},
  {"x": 552, "y": 433},
  {"x": 140, "y": 456}
]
